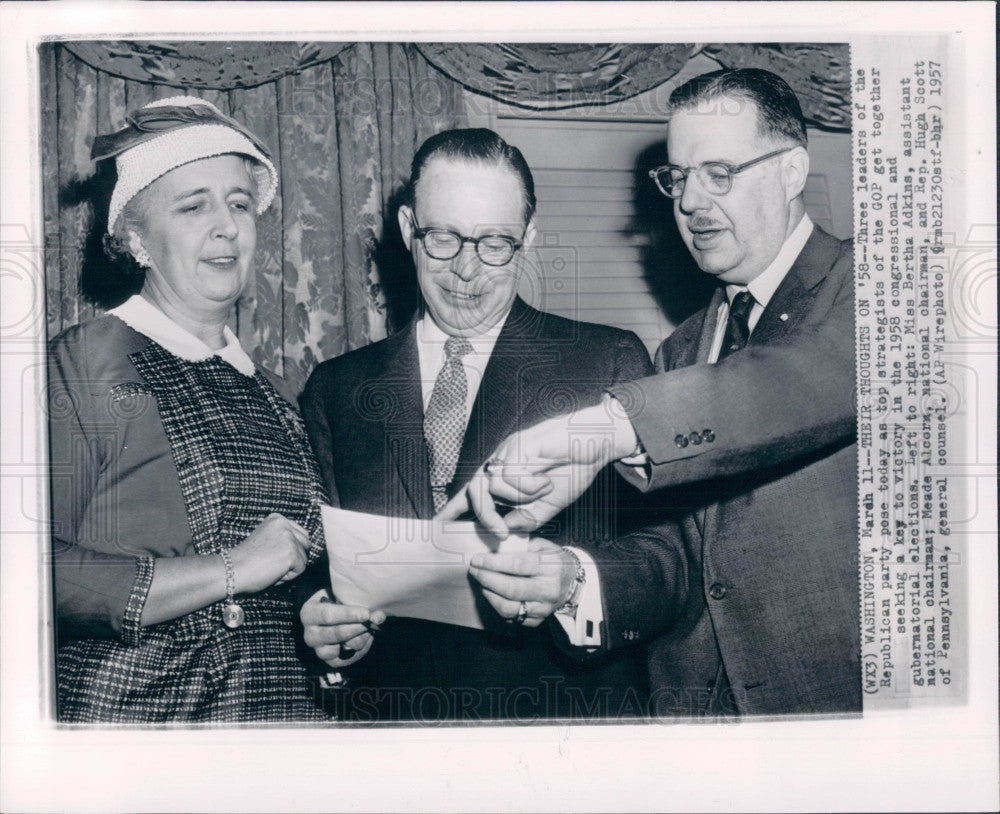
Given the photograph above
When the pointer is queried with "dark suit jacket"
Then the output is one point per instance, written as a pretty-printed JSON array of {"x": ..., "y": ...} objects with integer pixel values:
[
  {"x": 748, "y": 597},
  {"x": 364, "y": 415}
]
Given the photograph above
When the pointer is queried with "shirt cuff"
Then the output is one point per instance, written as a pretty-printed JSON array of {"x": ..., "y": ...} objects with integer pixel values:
[
  {"x": 639, "y": 464},
  {"x": 584, "y": 630}
]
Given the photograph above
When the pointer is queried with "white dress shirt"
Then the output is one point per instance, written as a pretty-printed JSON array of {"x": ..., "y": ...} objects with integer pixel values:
[
  {"x": 590, "y": 613},
  {"x": 143, "y": 317}
]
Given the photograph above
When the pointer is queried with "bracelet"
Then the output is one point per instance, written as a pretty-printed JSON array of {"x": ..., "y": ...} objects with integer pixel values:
[
  {"x": 232, "y": 614},
  {"x": 568, "y": 608}
]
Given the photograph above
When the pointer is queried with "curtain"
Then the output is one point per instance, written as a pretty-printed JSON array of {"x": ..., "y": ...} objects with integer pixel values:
[
  {"x": 546, "y": 76},
  {"x": 205, "y": 65},
  {"x": 342, "y": 123},
  {"x": 819, "y": 73}
]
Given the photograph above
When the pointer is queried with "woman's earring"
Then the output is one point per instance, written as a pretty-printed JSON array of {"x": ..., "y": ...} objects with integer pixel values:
[{"x": 142, "y": 257}]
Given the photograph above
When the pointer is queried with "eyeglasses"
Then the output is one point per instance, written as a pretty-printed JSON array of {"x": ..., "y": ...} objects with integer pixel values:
[
  {"x": 443, "y": 244},
  {"x": 716, "y": 177}
]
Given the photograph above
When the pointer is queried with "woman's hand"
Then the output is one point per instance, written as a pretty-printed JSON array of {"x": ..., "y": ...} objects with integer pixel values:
[
  {"x": 340, "y": 634},
  {"x": 273, "y": 553}
]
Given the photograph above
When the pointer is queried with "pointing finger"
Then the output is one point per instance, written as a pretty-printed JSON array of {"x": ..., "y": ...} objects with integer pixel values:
[
  {"x": 484, "y": 507},
  {"x": 455, "y": 507}
]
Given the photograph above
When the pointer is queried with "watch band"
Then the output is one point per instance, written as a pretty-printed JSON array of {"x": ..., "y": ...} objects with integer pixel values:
[{"x": 568, "y": 608}]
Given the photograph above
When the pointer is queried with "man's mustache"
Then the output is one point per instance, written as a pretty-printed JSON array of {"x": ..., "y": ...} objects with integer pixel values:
[{"x": 703, "y": 224}]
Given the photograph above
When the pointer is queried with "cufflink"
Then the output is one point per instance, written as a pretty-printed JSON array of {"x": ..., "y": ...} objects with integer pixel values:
[{"x": 333, "y": 681}]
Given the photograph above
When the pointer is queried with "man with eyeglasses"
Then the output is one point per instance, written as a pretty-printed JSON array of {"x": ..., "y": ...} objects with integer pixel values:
[
  {"x": 747, "y": 600},
  {"x": 400, "y": 425}
]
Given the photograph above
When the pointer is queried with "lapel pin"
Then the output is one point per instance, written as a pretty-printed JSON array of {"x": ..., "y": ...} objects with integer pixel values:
[{"x": 783, "y": 317}]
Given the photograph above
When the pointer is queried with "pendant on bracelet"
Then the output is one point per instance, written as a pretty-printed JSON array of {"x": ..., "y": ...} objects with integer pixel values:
[{"x": 232, "y": 615}]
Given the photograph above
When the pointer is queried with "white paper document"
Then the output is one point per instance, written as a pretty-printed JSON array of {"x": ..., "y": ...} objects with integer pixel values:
[{"x": 408, "y": 567}]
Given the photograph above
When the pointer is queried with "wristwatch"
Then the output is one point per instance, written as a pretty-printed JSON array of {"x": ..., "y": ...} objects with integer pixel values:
[{"x": 568, "y": 608}]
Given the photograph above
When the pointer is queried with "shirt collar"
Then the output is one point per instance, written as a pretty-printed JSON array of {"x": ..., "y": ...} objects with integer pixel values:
[
  {"x": 142, "y": 316},
  {"x": 430, "y": 333},
  {"x": 763, "y": 286}
]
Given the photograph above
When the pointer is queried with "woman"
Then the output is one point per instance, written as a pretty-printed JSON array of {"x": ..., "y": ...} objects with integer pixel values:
[{"x": 185, "y": 497}]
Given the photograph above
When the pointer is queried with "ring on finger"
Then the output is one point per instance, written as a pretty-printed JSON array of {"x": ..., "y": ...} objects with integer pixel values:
[
  {"x": 346, "y": 652},
  {"x": 522, "y": 614}
]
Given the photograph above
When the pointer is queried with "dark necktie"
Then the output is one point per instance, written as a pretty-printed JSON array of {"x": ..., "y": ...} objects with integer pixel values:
[
  {"x": 444, "y": 421},
  {"x": 738, "y": 324}
]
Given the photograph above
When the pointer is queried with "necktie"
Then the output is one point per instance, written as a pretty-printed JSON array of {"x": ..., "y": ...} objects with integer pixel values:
[
  {"x": 444, "y": 421},
  {"x": 737, "y": 326}
]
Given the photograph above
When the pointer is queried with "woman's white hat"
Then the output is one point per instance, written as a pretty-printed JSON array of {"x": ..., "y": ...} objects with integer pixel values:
[{"x": 167, "y": 133}]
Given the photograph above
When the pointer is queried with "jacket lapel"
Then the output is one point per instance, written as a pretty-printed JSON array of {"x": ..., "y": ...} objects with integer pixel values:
[
  {"x": 506, "y": 392},
  {"x": 708, "y": 328},
  {"x": 404, "y": 428},
  {"x": 793, "y": 299}
]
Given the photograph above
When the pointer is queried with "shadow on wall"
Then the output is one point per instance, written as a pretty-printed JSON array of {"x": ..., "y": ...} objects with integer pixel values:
[
  {"x": 679, "y": 286},
  {"x": 395, "y": 266},
  {"x": 103, "y": 281}
]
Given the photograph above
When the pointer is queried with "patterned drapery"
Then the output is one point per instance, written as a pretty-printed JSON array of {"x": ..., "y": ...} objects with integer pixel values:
[
  {"x": 342, "y": 131},
  {"x": 547, "y": 76},
  {"x": 819, "y": 73},
  {"x": 203, "y": 65}
]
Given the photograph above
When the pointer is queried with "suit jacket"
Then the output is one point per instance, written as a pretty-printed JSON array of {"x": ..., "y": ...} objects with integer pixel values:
[
  {"x": 747, "y": 595},
  {"x": 364, "y": 415}
]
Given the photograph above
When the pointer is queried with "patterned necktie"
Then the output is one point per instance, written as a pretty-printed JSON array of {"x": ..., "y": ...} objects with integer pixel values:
[
  {"x": 738, "y": 325},
  {"x": 444, "y": 421}
]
